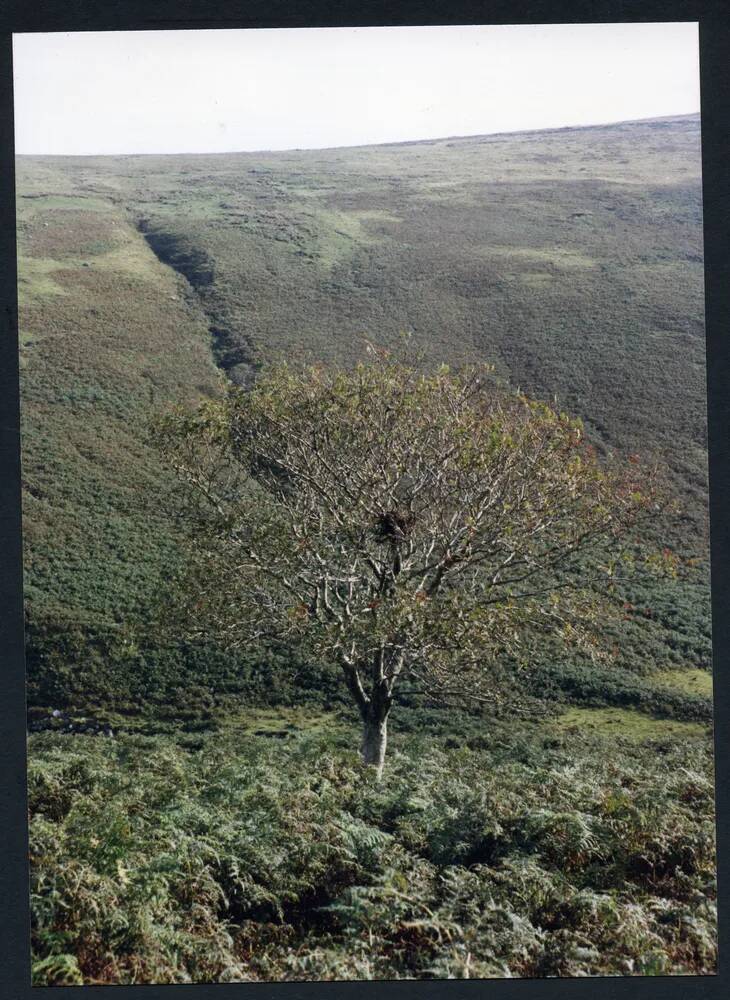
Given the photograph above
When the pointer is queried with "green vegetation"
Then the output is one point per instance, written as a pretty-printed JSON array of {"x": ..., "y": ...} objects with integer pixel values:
[
  {"x": 106, "y": 332},
  {"x": 440, "y": 236},
  {"x": 697, "y": 682},
  {"x": 227, "y": 830},
  {"x": 628, "y": 724},
  {"x": 496, "y": 850},
  {"x": 571, "y": 259},
  {"x": 397, "y": 522}
]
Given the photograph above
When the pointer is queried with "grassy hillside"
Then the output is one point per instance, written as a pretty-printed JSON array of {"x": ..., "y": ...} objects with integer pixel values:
[
  {"x": 571, "y": 258},
  {"x": 227, "y": 831},
  {"x": 106, "y": 332}
]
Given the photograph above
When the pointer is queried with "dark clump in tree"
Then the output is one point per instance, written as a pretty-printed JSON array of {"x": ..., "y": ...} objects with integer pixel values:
[{"x": 396, "y": 522}]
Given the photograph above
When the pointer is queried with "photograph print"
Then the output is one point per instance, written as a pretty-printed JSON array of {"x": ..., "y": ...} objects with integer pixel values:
[{"x": 365, "y": 504}]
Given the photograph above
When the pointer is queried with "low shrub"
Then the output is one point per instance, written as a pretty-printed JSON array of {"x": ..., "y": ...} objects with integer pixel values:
[{"x": 235, "y": 857}]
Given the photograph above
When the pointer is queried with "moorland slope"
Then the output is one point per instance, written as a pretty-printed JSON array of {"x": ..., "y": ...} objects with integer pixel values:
[
  {"x": 227, "y": 831},
  {"x": 571, "y": 258}
]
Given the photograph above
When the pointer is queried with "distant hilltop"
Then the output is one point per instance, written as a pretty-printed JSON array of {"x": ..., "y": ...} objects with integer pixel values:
[{"x": 652, "y": 123}]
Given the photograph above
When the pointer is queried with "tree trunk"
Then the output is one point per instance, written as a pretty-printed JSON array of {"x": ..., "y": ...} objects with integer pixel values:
[{"x": 374, "y": 741}]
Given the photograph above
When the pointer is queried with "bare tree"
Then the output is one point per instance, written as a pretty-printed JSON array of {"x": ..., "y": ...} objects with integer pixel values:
[{"x": 396, "y": 522}]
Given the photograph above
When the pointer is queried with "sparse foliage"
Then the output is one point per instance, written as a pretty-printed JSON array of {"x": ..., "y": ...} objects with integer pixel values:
[{"x": 397, "y": 522}]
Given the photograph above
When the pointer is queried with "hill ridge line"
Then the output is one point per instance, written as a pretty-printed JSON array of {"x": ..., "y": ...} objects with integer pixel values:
[{"x": 476, "y": 137}]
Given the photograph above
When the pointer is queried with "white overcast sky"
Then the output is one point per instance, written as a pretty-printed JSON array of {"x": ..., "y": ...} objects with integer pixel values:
[{"x": 256, "y": 89}]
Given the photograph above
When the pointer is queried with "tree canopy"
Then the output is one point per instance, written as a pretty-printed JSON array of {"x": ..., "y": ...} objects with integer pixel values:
[{"x": 396, "y": 522}]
